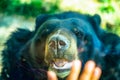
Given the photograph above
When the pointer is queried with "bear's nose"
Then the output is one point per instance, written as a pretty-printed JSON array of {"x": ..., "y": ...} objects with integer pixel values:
[{"x": 57, "y": 44}]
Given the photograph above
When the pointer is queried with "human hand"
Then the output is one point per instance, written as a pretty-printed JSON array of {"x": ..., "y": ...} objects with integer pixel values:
[{"x": 90, "y": 72}]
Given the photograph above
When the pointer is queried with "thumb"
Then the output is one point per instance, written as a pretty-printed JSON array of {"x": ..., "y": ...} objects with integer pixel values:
[{"x": 51, "y": 75}]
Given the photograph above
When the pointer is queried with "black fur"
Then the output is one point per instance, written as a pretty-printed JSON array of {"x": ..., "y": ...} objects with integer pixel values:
[{"x": 108, "y": 57}]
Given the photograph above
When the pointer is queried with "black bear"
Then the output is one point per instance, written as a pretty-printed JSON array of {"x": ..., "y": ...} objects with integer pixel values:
[{"x": 57, "y": 40}]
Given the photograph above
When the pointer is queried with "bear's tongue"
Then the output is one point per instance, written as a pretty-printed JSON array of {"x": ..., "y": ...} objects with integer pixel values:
[{"x": 60, "y": 62}]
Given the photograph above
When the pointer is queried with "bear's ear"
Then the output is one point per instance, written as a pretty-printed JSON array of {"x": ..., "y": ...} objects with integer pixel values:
[
  {"x": 40, "y": 20},
  {"x": 97, "y": 19}
]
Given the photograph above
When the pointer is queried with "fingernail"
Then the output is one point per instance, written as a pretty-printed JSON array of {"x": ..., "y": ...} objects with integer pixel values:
[
  {"x": 97, "y": 71},
  {"x": 77, "y": 62},
  {"x": 90, "y": 65}
]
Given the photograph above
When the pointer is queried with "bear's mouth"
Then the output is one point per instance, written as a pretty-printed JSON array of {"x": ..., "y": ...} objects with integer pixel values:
[
  {"x": 61, "y": 67},
  {"x": 61, "y": 64}
]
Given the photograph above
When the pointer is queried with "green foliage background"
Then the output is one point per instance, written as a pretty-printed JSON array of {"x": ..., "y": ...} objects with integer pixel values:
[{"x": 28, "y": 7}]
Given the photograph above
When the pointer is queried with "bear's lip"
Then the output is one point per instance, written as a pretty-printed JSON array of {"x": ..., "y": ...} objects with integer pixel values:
[{"x": 60, "y": 64}]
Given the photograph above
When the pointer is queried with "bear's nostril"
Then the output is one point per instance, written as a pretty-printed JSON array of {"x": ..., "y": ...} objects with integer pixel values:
[
  {"x": 52, "y": 44},
  {"x": 62, "y": 43}
]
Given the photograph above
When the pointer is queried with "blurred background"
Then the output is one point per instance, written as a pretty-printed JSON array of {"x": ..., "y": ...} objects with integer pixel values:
[{"x": 22, "y": 13}]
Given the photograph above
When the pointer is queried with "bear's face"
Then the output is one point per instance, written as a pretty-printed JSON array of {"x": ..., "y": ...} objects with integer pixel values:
[{"x": 59, "y": 42}]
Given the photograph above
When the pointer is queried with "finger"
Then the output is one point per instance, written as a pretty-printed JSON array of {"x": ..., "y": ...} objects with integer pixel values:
[
  {"x": 51, "y": 75},
  {"x": 96, "y": 74},
  {"x": 75, "y": 70},
  {"x": 87, "y": 71}
]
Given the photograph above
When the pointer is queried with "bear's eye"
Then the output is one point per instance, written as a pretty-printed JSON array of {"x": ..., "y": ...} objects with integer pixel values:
[{"x": 79, "y": 33}]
